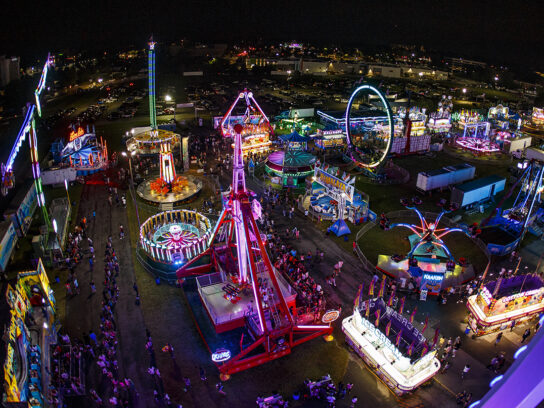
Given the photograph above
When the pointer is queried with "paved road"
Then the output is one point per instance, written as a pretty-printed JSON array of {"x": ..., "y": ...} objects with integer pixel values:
[{"x": 83, "y": 310}]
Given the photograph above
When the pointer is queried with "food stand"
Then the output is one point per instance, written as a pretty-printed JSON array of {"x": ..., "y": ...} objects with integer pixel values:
[
  {"x": 390, "y": 345},
  {"x": 499, "y": 304}
]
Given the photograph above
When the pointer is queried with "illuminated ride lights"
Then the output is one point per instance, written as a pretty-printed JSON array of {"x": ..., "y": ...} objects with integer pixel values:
[
  {"x": 29, "y": 128},
  {"x": 428, "y": 236},
  {"x": 504, "y": 303},
  {"x": 391, "y": 345},
  {"x": 368, "y": 149},
  {"x": 256, "y": 128},
  {"x": 478, "y": 145},
  {"x": 247, "y": 276},
  {"x": 150, "y": 141},
  {"x": 83, "y": 151},
  {"x": 516, "y": 220},
  {"x": 174, "y": 237}
]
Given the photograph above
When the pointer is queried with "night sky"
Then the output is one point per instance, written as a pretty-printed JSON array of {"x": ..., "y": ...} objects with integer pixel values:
[{"x": 509, "y": 31}]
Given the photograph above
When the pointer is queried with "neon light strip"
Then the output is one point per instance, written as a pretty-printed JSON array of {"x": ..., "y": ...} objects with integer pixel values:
[{"x": 389, "y": 116}]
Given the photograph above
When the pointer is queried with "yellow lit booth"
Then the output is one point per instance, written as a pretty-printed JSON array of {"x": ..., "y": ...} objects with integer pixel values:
[
  {"x": 30, "y": 329},
  {"x": 500, "y": 303},
  {"x": 391, "y": 346}
]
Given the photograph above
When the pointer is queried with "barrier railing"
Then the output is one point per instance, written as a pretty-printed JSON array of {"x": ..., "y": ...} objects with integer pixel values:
[{"x": 369, "y": 266}]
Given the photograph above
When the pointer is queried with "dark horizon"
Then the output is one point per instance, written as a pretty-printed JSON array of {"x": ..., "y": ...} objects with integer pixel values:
[{"x": 508, "y": 33}]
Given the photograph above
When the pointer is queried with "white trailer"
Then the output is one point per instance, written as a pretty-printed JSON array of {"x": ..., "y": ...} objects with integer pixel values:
[
  {"x": 518, "y": 144},
  {"x": 57, "y": 176},
  {"x": 532, "y": 153},
  {"x": 444, "y": 177},
  {"x": 477, "y": 191}
]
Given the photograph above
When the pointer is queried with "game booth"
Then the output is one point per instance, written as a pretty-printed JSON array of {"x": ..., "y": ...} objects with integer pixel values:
[
  {"x": 29, "y": 332},
  {"x": 82, "y": 151},
  {"x": 537, "y": 118},
  {"x": 329, "y": 190},
  {"x": 413, "y": 139},
  {"x": 505, "y": 303},
  {"x": 467, "y": 117},
  {"x": 391, "y": 345},
  {"x": 440, "y": 120},
  {"x": 429, "y": 263},
  {"x": 330, "y": 139}
]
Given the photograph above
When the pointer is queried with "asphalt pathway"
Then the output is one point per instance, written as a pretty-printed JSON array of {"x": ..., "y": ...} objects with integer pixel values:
[{"x": 83, "y": 310}]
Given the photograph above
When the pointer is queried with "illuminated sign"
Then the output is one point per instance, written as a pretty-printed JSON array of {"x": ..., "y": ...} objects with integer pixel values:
[
  {"x": 74, "y": 135},
  {"x": 330, "y": 316},
  {"x": 331, "y": 182},
  {"x": 382, "y": 338},
  {"x": 221, "y": 355},
  {"x": 433, "y": 277},
  {"x": 522, "y": 294},
  {"x": 486, "y": 296}
]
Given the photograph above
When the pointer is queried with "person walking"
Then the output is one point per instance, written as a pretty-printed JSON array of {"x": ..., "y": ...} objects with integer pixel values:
[
  {"x": 498, "y": 339},
  {"x": 465, "y": 371},
  {"x": 219, "y": 388},
  {"x": 525, "y": 335},
  {"x": 353, "y": 402}
]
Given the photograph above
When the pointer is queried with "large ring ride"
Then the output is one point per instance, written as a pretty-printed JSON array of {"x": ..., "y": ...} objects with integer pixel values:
[
  {"x": 173, "y": 237},
  {"x": 369, "y": 150}
]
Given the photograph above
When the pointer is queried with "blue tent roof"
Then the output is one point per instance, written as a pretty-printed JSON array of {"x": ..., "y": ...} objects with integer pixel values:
[
  {"x": 294, "y": 137},
  {"x": 340, "y": 228}
]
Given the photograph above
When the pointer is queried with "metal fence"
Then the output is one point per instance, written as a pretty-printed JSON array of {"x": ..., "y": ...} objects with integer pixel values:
[{"x": 369, "y": 266}]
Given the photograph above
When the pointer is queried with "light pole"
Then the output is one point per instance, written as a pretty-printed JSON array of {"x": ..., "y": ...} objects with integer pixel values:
[
  {"x": 67, "y": 193},
  {"x": 168, "y": 98},
  {"x": 130, "y": 165}
]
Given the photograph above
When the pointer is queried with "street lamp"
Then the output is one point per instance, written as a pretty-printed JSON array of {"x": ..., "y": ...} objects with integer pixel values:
[
  {"x": 67, "y": 193},
  {"x": 130, "y": 164},
  {"x": 168, "y": 98}
]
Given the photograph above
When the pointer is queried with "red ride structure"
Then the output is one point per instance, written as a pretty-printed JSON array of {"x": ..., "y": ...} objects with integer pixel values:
[{"x": 237, "y": 250}]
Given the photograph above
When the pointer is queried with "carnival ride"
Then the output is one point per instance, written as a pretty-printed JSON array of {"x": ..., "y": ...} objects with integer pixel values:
[
  {"x": 29, "y": 128},
  {"x": 168, "y": 188},
  {"x": 292, "y": 164},
  {"x": 171, "y": 238},
  {"x": 247, "y": 292},
  {"x": 429, "y": 258},
  {"x": 82, "y": 151},
  {"x": 504, "y": 230},
  {"x": 476, "y": 138},
  {"x": 367, "y": 148},
  {"x": 427, "y": 238},
  {"x": 256, "y": 129},
  {"x": 149, "y": 140}
]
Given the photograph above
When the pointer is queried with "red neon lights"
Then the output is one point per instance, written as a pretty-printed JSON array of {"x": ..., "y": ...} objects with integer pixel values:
[{"x": 74, "y": 135}]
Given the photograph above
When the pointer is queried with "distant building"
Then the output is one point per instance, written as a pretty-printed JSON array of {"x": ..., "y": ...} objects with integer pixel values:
[
  {"x": 406, "y": 71},
  {"x": 9, "y": 70}
]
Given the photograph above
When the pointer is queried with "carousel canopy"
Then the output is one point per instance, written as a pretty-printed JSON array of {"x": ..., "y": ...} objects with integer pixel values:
[{"x": 294, "y": 137}]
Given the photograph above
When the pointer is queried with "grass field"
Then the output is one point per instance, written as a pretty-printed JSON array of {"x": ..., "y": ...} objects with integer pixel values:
[{"x": 395, "y": 241}]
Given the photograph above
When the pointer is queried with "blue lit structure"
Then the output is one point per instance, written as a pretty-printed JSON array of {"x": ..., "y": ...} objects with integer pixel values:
[
  {"x": 513, "y": 223},
  {"x": 29, "y": 128}
]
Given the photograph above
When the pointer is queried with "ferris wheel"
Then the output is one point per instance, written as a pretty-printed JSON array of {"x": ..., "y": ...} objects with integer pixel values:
[{"x": 368, "y": 146}]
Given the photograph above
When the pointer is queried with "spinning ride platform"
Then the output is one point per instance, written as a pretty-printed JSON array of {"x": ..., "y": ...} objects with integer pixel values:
[
  {"x": 294, "y": 164},
  {"x": 228, "y": 303},
  {"x": 189, "y": 192},
  {"x": 170, "y": 239},
  {"x": 433, "y": 272},
  {"x": 148, "y": 141}
]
